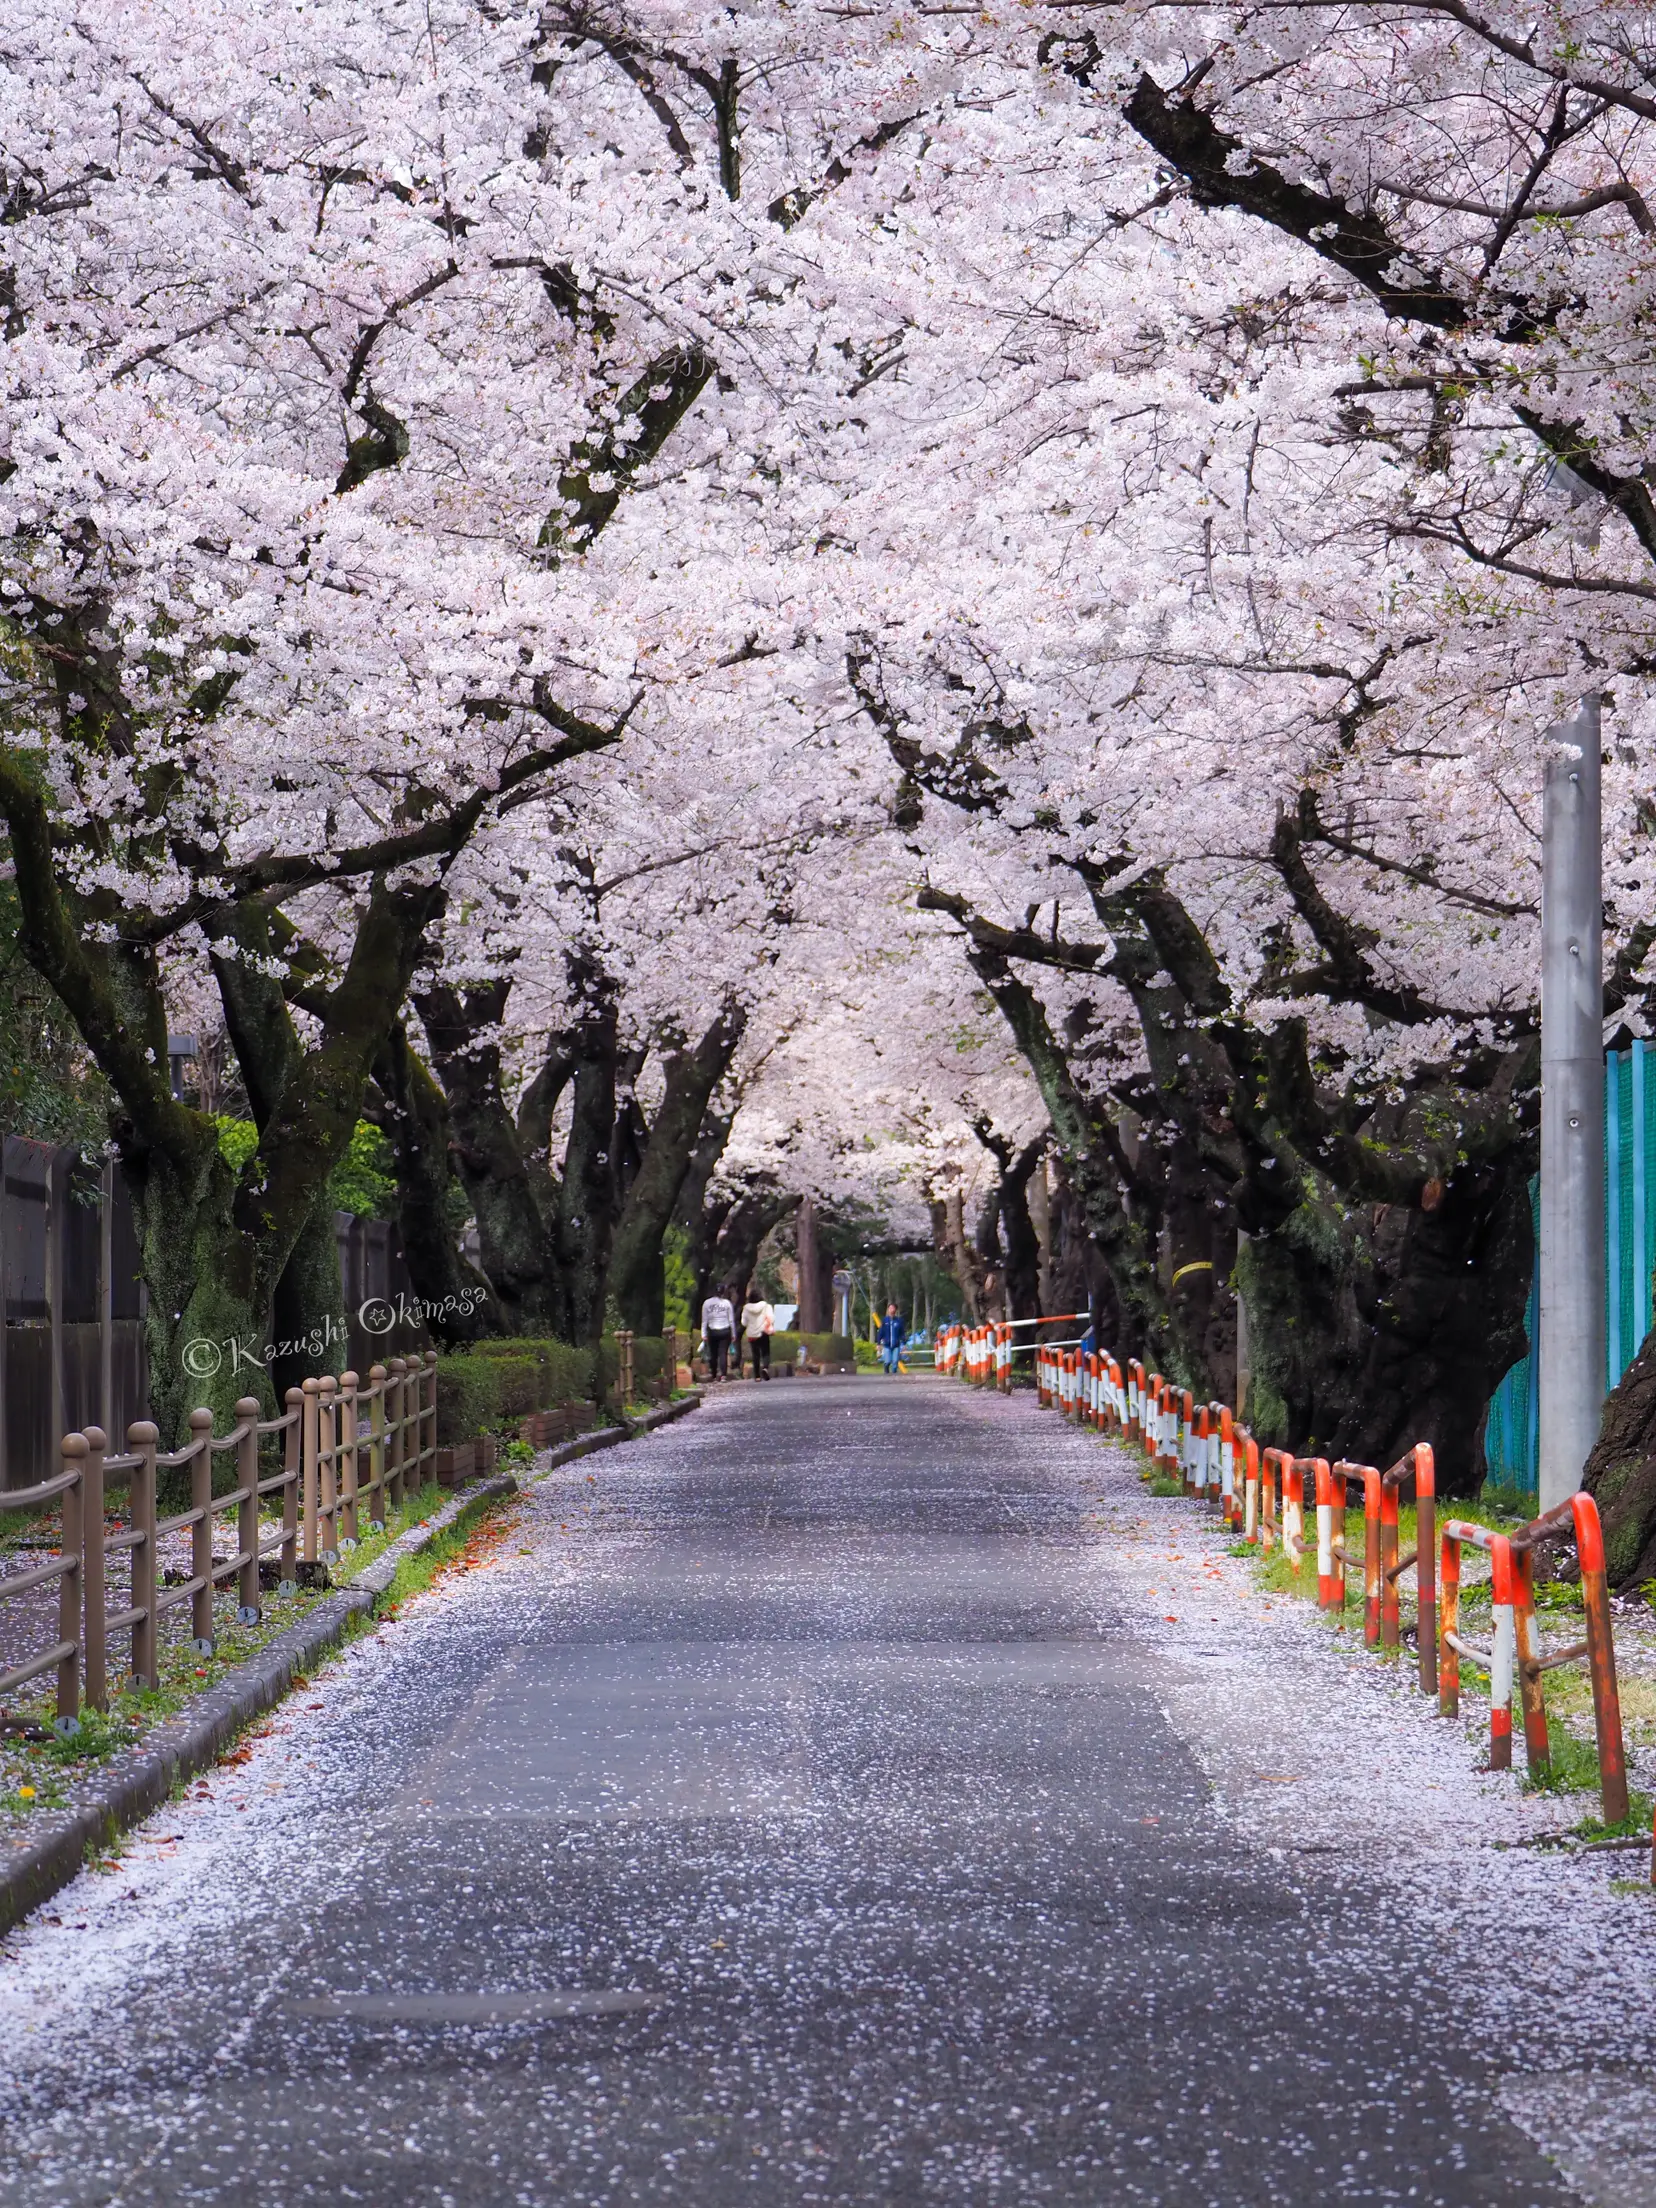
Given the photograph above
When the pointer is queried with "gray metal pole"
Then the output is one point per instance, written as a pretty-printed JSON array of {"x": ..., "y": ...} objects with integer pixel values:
[{"x": 1571, "y": 1348}]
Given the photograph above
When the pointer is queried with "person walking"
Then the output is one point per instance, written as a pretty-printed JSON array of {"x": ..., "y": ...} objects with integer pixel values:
[
  {"x": 718, "y": 1325},
  {"x": 890, "y": 1338},
  {"x": 758, "y": 1322}
]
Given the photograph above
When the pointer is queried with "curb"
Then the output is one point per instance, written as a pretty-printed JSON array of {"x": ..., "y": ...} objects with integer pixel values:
[
  {"x": 140, "y": 1779},
  {"x": 611, "y": 1437}
]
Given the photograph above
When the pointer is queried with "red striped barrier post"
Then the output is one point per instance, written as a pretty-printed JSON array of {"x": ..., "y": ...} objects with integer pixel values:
[
  {"x": 1293, "y": 1509},
  {"x": 1250, "y": 1491},
  {"x": 1449, "y": 1627},
  {"x": 1391, "y": 1619},
  {"x": 1526, "y": 1650},
  {"x": 1502, "y": 1654},
  {"x": 1578, "y": 1517},
  {"x": 1425, "y": 1472},
  {"x": 1331, "y": 1587},
  {"x": 1227, "y": 1467},
  {"x": 1189, "y": 1440},
  {"x": 1498, "y": 1657},
  {"x": 1269, "y": 1474},
  {"x": 1601, "y": 1659},
  {"x": 1371, "y": 1555},
  {"x": 1135, "y": 1400}
]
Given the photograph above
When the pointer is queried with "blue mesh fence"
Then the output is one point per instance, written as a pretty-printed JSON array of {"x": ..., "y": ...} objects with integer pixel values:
[{"x": 1511, "y": 1433}]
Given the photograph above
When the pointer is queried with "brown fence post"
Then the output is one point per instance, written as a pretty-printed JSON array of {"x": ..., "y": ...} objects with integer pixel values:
[
  {"x": 142, "y": 1438},
  {"x": 201, "y": 1533},
  {"x": 348, "y": 1456},
  {"x": 247, "y": 1514},
  {"x": 327, "y": 1458},
  {"x": 669, "y": 1336},
  {"x": 293, "y": 1438},
  {"x": 71, "y": 1550},
  {"x": 376, "y": 1447},
  {"x": 428, "y": 1419},
  {"x": 396, "y": 1452},
  {"x": 308, "y": 1468},
  {"x": 95, "y": 1633}
]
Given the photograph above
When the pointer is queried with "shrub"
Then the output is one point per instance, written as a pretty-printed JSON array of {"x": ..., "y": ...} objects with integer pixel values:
[
  {"x": 522, "y": 1382},
  {"x": 468, "y": 1398},
  {"x": 566, "y": 1371}
]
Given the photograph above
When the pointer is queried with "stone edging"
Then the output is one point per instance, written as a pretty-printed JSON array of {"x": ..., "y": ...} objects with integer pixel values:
[
  {"x": 610, "y": 1437},
  {"x": 138, "y": 1780}
]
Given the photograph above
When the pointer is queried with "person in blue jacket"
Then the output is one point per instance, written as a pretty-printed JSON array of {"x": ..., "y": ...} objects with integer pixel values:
[{"x": 890, "y": 1338}]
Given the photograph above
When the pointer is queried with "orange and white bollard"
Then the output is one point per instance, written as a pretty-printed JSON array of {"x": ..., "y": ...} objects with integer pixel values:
[
  {"x": 1227, "y": 1467},
  {"x": 1504, "y": 1652},
  {"x": 1330, "y": 1579},
  {"x": 1293, "y": 1511},
  {"x": 1250, "y": 1491},
  {"x": 1270, "y": 1474},
  {"x": 1500, "y": 1655}
]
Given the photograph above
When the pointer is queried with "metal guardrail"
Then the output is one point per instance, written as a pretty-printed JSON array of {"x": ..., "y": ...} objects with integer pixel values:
[{"x": 347, "y": 1449}]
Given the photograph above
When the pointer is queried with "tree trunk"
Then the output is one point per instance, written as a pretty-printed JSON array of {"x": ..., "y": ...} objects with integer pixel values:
[
  {"x": 457, "y": 1302},
  {"x": 510, "y": 1201},
  {"x": 962, "y": 1258},
  {"x": 207, "y": 1317},
  {"x": 214, "y": 1246},
  {"x": 1621, "y": 1472},
  {"x": 1038, "y": 1201},
  {"x": 751, "y": 1219},
  {"x": 588, "y": 1195},
  {"x": 637, "y": 1270},
  {"x": 816, "y": 1266},
  {"x": 1373, "y": 1329}
]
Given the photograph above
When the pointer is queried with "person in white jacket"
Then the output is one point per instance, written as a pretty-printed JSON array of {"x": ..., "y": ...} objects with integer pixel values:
[
  {"x": 718, "y": 1325},
  {"x": 758, "y": 1323}
]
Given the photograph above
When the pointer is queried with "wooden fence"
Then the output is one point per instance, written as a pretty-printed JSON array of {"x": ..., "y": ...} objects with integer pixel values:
[
  {"x": 345, "y": 1455},
  {"x": 73, "y": 1349}
]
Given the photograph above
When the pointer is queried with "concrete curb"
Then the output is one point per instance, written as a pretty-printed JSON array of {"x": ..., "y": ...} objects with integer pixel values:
[
  {"x": 127, "y": 1788},
  {"x": 611, "y": 1437}
]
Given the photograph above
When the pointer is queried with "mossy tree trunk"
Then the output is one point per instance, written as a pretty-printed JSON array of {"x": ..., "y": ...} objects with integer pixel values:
[
  {"x": 1621, "y": 1472},
  {"x": 411, "y": 1111},
  {"x": 215, "y": 1244},
  {"x": 637, "y": 1265}
]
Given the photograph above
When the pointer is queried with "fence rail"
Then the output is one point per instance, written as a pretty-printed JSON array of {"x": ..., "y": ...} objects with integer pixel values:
[{"x": 347, "y": 1448}]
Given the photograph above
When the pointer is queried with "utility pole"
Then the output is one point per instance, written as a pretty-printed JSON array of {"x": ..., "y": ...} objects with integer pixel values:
[{"x": 1571, "y": 1348}]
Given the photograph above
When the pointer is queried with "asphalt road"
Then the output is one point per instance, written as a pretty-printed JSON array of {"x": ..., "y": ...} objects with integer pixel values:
[{"x": 787, "y": 1818}]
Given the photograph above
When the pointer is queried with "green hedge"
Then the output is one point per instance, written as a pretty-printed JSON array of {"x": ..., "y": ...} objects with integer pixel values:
[
  {"x": 468, "y": 1398},
  {"x": 566, "y": 1372},
  {"x": 497, "y": 1383}
]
